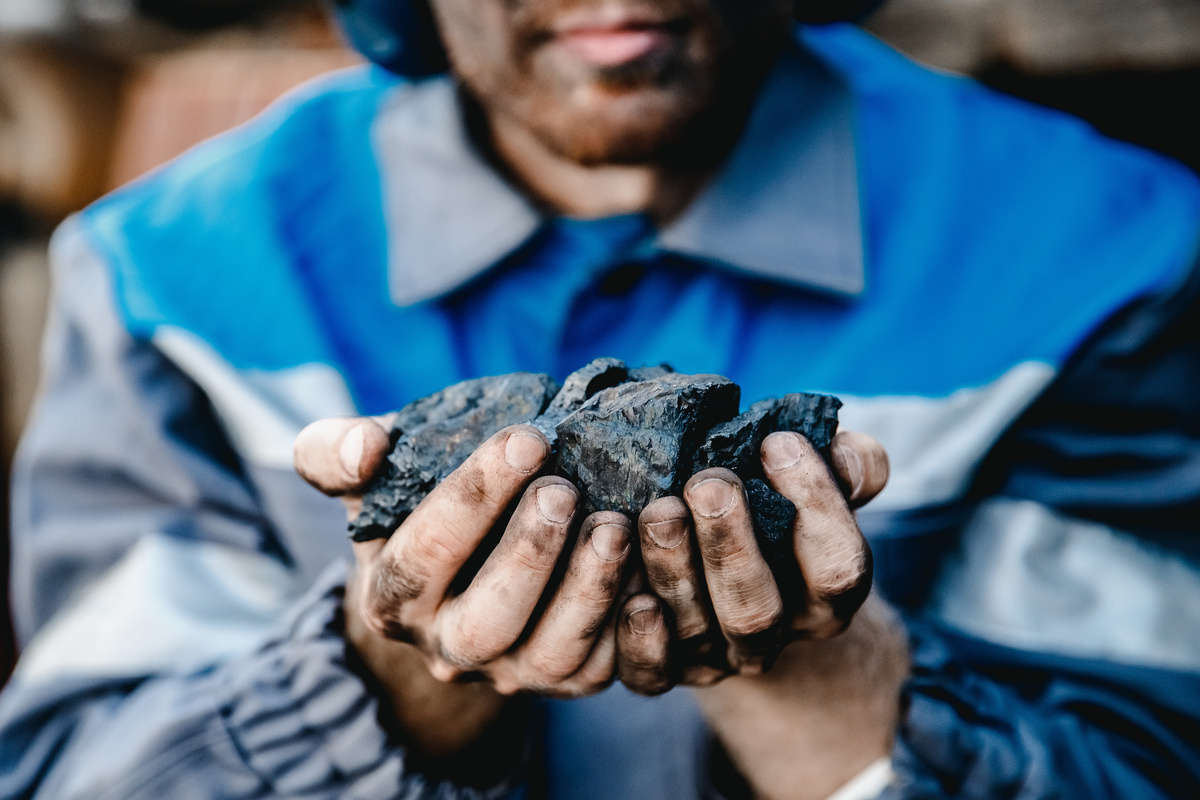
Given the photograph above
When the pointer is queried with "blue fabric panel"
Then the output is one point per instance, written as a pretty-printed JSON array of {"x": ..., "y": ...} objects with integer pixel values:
[
  {"x": 1116, "y": 439},
  {"x": 960, "y": 187},
  {"x": 1025, "y": 729},
  {"x": 217, "y": 242},
  {"x": 301, "y": 186},
  {"x": 908, "y": 548}
]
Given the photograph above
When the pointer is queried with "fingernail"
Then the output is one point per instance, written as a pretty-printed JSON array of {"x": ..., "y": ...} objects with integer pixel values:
[
  {"x": 611, "y": 542},
  {"x": 524, "y": 452},
  {"x": 781, "y": 450},
  {"x": 667, "y": 534},
  {"x": 847, "y": 458},
  {"x": 645, "y": 622},
  {"x": 712, "y": 497},
  {"x": 350, "y": 451},
  {"x": 556, "y": 502}
]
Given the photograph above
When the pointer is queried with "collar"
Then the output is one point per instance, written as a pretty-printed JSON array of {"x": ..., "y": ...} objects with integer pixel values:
[{"x": 784, "y": 206}]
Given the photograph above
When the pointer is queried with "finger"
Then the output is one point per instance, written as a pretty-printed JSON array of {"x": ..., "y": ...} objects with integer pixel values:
[
  {"x": 411, "y": 574},
  {"x": 487, "y": 619},
  {"x": 642, "y": 646},
  {"x": 665, "y": 529},
  {"x": 599, "y": 669},
  {"x": 574, "y": 618},
  {"x": 339, "y": 455},
  {"x": 833, "y": 555},
  {"x": 861, "y": 466},
  {"x": 742, "y": 590}
]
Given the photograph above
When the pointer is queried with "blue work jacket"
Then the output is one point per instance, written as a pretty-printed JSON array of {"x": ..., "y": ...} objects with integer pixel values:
[{"x": 1001, "y": 296}]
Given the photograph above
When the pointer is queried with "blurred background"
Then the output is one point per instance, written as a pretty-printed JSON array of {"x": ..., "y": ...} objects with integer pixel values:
[{"x": 94, "y": 93}]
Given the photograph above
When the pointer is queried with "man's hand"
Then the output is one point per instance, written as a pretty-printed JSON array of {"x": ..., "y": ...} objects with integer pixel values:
[
  {"x": 828, "y": 706},
  {"x": 724, "y": 613},
  {"x": 504, "y": 629}
]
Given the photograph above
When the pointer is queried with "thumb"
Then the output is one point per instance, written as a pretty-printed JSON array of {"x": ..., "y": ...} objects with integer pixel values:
[{"x": 339, "y": 455}]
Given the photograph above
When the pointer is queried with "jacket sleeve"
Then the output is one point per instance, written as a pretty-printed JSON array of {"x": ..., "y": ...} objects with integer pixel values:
[
  {"x": 171, "y": 647},
  {"x": 990, "y": 723},
  {"x": 1059, "y": 654}
]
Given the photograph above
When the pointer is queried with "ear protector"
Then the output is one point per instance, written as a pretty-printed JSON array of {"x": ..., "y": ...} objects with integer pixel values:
[{"x": 400, "y": 35}]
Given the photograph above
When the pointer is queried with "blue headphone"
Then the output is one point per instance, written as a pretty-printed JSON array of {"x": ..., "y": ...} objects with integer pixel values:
[{"x": 400, "y": 35}]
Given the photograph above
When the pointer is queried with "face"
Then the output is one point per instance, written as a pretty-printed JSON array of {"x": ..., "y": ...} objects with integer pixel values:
[{"x": 612, "y": 81}]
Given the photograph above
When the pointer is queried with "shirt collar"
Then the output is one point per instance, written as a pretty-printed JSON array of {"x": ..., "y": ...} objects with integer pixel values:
[{"x": 784, "y": 206}]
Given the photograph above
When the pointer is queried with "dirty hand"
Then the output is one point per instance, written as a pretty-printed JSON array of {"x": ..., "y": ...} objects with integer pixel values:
[
  {"x": 506, "y": 629},
  {"x": 712, "y": 607}
]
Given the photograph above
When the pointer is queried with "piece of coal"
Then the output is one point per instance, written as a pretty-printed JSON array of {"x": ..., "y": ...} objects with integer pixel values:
[
  {"x": 635, "y": 442},
  {"x": 773, "y": 516},
  {"x": 813, "y": 415},
  {"x": 650, "y": 373},
  {"x": 625, "y": 437},
  {"x": 577, "y": 389},
  {"x": 434, "y": 435},
  {"x": 734, "y": 445}
]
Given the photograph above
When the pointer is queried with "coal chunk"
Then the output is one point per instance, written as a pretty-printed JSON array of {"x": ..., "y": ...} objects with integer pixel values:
[
  {"x": 623, "y": 436},
  {"x": 577, "y": 389},
  {"x": 650, "y": 373},
  {"x": 434, "y": 435},
  {"x": 734, "y": 445},
  {"x": 815, "y": 416},
  {"x": 635, "y": 442},
  {"x": 773, "y": 516}
]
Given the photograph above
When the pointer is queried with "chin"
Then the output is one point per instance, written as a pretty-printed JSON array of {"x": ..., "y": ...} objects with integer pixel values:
[{"x": 619, "y": 130}]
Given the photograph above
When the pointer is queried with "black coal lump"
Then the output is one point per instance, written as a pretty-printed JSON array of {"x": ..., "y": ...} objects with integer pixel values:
[
  {"x": 773, "y": 516},
  {"x": 813, "y": 415},
  {"x": 735, "y": 444},
  {"x": 650, "y": 373},
  {"x": 434, "y": 435},
  {"x": 577, "y": 389},
  {"x": 624, "y": 437},
  {"x": 635, "y": 442}
]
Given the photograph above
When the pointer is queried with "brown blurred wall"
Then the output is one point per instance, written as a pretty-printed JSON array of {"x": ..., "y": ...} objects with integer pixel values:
[{"x": 74, "y": 125}]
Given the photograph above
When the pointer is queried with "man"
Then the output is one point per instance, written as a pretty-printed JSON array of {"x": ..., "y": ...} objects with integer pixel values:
[{"x": 1000, "y": 296}]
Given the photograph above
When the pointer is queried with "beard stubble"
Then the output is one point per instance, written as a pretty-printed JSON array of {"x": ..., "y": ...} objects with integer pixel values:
[{"x": 681, "y": 108}]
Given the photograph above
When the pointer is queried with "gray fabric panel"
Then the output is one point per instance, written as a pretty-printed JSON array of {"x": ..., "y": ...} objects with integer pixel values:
[
  {"x": 121, "y": 444},
  {"x": 310, "y": 526},
  {"x": 290, "y": 720},
  {"x": 1030, "y": 578}
]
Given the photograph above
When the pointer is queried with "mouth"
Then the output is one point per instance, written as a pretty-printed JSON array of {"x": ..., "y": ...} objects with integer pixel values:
[{"x": 613, "y": 40}]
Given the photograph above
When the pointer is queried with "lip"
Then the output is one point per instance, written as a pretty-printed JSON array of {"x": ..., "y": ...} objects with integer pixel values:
[{"x": 611, "y": 38}]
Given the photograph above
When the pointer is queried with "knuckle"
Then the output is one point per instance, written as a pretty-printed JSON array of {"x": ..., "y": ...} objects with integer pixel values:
[
  {"x": 552, "y": 665},
  {"x": 753, "y": 624},
  {"x": 506, "y": 685},
  {"x": 474, "y": 641},
  {"x": 443, "y": 671},
  {"x": 590, "y": 597},
  {"x": 843, "y": 576},
  {"x": 596, "y": 676},
  {"x": 724, "y": 549},
  {"x": 383, "y": 607},
  {"x": 647, "y": 683},
  {"x": 533, "y": 550},
  {"x": 441, "y": 546},
  {"x": 473, "y": 489}
]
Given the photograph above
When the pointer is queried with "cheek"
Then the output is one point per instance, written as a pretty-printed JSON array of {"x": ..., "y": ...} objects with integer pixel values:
[{"x": 477, "y": 35}]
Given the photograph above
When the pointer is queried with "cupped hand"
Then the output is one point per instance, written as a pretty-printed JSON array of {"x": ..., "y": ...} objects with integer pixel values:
[
  {"x": 712, "y": 607},
  {"x": 536, "y": 615}
]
